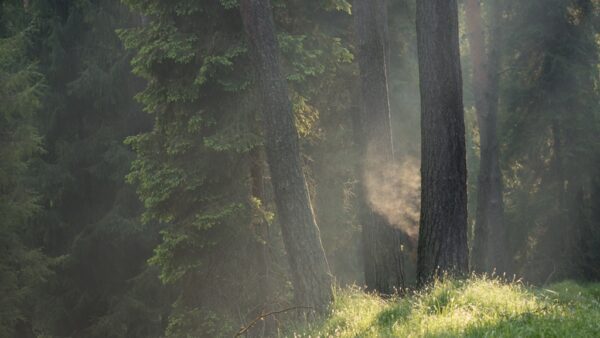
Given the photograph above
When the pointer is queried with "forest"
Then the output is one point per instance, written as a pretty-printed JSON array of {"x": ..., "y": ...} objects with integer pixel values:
[{"x": 289, "y": 168}]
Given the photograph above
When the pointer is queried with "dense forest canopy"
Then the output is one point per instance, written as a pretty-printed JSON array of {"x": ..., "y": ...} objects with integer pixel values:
[{"x": 182, "y": 168}]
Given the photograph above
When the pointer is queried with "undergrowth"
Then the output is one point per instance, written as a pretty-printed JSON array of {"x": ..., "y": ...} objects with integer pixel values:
[{"x": 478, "y": 307}]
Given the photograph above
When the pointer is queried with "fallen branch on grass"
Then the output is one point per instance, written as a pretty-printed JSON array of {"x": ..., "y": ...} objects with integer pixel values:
[{"x": 244, "y": 329}]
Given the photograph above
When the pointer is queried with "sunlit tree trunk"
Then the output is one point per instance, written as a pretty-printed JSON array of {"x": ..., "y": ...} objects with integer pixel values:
[
  {"x": 443, "y": 225},
  {"x": 311, "y": 278},
  {"x": 261, "y": 250},
  {"x": 489, "y": 243},
  {"x": 381, "y": 241}
]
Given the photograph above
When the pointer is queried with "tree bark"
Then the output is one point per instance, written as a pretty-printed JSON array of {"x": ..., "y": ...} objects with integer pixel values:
[
  {"x": 261, "y": 251},
  {"x": 382, "y": 242},
  {"x": 443, "y": 224},
  {"x": 311, "y": 278},
  {"x": 489, "y": 243}
]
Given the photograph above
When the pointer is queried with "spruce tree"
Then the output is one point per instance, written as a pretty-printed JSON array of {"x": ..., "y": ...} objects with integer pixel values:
[
  {"x": 23, "y": 268},
  {"x": 311, "y": 276}
]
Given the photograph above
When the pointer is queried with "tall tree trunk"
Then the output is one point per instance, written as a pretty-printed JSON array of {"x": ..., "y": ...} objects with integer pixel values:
[
  {"x": 310, "y": 272},
  {"x": 443, "y": 225},
  {"x": 489, "y": 244},
  {"x": 381, "y": 241},
  {"x": 261, "y": 251},
  {"x": 562, "y": 228}
]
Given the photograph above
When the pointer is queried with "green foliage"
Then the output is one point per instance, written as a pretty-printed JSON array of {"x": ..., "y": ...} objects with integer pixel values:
[
  {"x": 82, "y": 214},
  {"x": 192, "y": 168},
  {"x": 127, "y": 137},
  {"x": 478, "y": 307},
  {"x": 22, "y": 268},
  {"x": 549, "y": 127},
  {"x": 338, "y": 5}
]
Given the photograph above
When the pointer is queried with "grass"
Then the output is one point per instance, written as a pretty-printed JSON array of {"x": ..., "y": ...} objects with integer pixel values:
[{"x": 478, "y": 307}]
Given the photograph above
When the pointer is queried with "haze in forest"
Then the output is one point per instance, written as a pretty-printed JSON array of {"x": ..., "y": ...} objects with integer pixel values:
[
  {"x": 394, "y": 191},
  {"x": 282, "y": 168}
]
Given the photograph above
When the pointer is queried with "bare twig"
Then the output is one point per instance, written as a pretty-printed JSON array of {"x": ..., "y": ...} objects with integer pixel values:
[
  {"x": 550, "y": 275},
  {"x": 265, "y": 315}
]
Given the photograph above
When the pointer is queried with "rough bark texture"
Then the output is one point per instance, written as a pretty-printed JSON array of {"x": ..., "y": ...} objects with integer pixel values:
[
  {"x": 443, "y": 225},
  {"x": 489, "y": 243},
  {"x": 311, "y": 278},
  {"x": 381, "y": 241}
]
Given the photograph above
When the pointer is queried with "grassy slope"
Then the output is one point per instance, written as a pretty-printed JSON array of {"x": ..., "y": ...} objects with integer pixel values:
[{"x": 473, "y": 308}]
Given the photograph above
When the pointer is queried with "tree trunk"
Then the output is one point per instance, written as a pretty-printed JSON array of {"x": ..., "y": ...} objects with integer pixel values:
[
  {"x": 261, "y": 251},
  {"x": 562, "y": 228},
  {"x": 443, "y": 225},
  {"x": 310, "y": 272},
  {"x": 489, "y": 244},
  {"x": 382, "y": 253}
]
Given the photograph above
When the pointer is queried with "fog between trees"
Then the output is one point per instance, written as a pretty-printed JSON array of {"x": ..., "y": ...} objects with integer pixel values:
[{"x": 178, "y": 168}]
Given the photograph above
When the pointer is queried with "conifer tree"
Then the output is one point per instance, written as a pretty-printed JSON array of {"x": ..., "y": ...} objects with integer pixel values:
[
  {"x": 443, "y": 227},
  {"x": 311, "y": 276},
  {"x": 489, "y": 243},
  {"x": 23, "y": 268},
  {"x": 382, "y": 243}
]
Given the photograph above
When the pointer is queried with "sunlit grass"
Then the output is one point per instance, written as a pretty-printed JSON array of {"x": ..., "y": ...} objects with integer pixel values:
[{"x": 478, "y": 307}]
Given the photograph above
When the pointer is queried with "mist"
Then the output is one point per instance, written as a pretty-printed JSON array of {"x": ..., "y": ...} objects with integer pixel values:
[
  {"x": 394, "y": 191},
  {"x": 254, "y": 168}
]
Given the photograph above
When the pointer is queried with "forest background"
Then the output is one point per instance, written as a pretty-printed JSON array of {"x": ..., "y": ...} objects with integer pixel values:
[{"x": 131, "y": 139}]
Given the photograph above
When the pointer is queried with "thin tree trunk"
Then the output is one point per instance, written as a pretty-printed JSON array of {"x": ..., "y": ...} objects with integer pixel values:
[
  {"x": 443, "y": 225},
  {"x": 261, "y": 251},
  {"x": 489, "y": 244},
  {"x": 562, "y": 229},
  {"x": 382, "y": 253},
  {"x": 311, "y": 278}
]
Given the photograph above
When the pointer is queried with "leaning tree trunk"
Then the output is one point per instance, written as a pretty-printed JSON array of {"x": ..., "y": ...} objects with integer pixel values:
[
  {"x": 382, "y": 253},
  {"x": 489, "y": 243},
  {"x": 311, "y": 278},
  {"x": 443, "y": 225}
]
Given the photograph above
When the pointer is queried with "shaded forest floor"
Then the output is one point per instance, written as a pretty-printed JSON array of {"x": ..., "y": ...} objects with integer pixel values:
[{"x": 474, "y": 308}]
